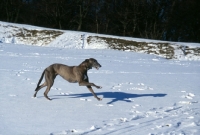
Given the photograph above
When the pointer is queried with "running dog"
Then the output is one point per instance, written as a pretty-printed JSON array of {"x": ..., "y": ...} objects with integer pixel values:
[{"x": 73, "y": 74}]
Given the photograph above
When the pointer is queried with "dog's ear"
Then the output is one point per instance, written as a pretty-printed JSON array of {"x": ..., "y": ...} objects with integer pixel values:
[
  {"x": 87, "y": 63},
  {"x": 86, "y": 60}
]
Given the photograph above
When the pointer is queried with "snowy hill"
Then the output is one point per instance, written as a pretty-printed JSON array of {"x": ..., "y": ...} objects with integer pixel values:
[
  {"x": 142, "y": 94},
  {"x": 31, "y": 35}
]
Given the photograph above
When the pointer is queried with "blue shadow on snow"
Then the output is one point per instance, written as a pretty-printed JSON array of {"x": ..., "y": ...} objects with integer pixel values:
[{"x": 115, "y": 96}]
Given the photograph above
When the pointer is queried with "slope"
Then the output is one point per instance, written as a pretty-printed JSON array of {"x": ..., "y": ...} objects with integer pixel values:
[{"x": 31, "y": 35}]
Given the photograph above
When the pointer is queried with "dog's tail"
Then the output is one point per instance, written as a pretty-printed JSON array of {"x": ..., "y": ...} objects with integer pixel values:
[{"x": 40, "y": 80}]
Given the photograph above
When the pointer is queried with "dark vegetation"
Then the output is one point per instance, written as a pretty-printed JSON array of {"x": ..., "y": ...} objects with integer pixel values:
[
  {"x": 32, "y": 36},
  {"x": 166, "y": 50},
  {"x": 169, "y": 20}
]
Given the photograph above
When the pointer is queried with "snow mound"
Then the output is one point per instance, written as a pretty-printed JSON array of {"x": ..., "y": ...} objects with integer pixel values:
[{"x": 31, "y": 35}]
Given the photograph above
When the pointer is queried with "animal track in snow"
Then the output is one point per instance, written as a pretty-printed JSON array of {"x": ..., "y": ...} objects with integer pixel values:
[
  {"x": 72, "y": 131},
  {"x": 56, "y": 88},
  {"x": 27, "y": 79},
  {"x": 94, "y": 127},
  {"x": 12, "y": 95},
  {"x": 190, "y": 117},
  {"x": 131, "y": 86},
  {"x": 142, "y": 84},
  {"x": 183, "y": 91},
  {"x": 184, "y": 102},
  {"x": 188, "y": 96},
  {"x": 164, "y": 125},
  {"x": 191, "y": 94},
  {"x": 99, "y": 105},
  {"x": 123, "y": 119},
  {"x": 84, "y": 99},
  {"x": 19, "y": 73},
  {"x": 64, "y": 93},
  {"x": 136, "y": 105},
  {"x": 155, "y": 59}
]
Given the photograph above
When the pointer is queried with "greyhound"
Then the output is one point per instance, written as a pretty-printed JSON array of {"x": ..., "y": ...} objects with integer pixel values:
[{"x": 72, "y": 74}]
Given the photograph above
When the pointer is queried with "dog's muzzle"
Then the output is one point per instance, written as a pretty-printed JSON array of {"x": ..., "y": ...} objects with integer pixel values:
[{"x": 98, "y": 66}]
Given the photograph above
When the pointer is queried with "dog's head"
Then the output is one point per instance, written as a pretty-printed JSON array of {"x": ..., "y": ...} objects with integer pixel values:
[{"x": 89, "y": 63}]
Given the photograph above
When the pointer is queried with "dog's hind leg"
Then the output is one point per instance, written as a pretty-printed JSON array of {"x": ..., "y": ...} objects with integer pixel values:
[
  {"x": 38, "y": 88},
  {"x": 49, "y": 80},
  {"x": 38, "y": 85},
  {"x": 46, "y": 92}
]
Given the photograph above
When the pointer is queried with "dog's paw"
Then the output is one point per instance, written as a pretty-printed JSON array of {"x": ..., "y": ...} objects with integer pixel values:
[
  {"x": 98, "y": 87},
  {"x": 99, "y": 99}
]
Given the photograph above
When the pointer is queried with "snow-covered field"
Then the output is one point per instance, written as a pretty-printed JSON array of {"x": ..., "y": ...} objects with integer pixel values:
[{"x": 142, "y": 94}]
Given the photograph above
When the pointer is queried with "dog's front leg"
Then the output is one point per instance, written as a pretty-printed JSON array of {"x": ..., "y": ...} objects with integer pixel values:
[
  {"x": 88, "y": 85},
  {"x": 91, "y": 90},
  {"x": 83, "y": 83}
]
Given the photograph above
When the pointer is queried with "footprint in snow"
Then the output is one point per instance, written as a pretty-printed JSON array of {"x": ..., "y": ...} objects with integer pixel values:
[
  {"x": 19, "y": 73},
  {"x": 137, "y": 117},
  {"x": 136, "y": 105},
  {"x": 94, "y": 127},
  {"x": 84, "y": 99},
  {"x": 190, "y": 117},
  {"x": 56, "y": 88},
  {"x": 65, "y": 132},
  {"x": 64, "y": 93},
  {"x": 184, "y": 102},
  {"x": 27, "y": 79},
  {"x": 130, "y": 86},
  {"x": 141, "y": 84},
  {"x": 188, "y": 96},
  {"x": 187, "y": 102},
  {"x": 123, "y": 119},
  {"x": 164, "y": 125},
  {"x": 130, "y": 99},
  {"x": 155, "y": 59},
  {"x": 12, "y": 95},
  {"x": 150, "y": 88},
  {"x": 183, "y": 91},
  {"x": 191, "y": 94},
  {"x": 99, "y": 105}
]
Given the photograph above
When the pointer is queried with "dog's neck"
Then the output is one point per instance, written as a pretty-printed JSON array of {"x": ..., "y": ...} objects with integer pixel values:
[{"x": 85, "y": 66}]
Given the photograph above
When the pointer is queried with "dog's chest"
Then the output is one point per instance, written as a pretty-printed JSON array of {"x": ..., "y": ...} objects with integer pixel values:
[{"x": 85, "y": 77}]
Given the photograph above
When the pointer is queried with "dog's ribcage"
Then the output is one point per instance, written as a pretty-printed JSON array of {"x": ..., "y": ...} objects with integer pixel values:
[{"x": 85, "y": 77}]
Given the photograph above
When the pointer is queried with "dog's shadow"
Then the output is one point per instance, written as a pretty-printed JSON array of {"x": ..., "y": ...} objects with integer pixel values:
[{"x": 115, "y": 96}]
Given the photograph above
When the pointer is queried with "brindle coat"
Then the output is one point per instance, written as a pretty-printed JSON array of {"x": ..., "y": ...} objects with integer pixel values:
[{"x": 72, "y": 74}]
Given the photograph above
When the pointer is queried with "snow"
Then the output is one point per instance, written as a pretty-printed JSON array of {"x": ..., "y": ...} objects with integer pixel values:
[{"x": 142, "y": 94}]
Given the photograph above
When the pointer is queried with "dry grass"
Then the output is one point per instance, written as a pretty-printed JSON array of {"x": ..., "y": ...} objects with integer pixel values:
[
  {"x": 31, "y": 37},
  {"x": 37, "y": 35},
  {"x": 34, "y": 33},
  {"x": 164, "y": 49}
]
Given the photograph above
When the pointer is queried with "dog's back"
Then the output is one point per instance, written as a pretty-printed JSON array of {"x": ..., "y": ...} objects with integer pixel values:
[{"x": 65, "y": 71}]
